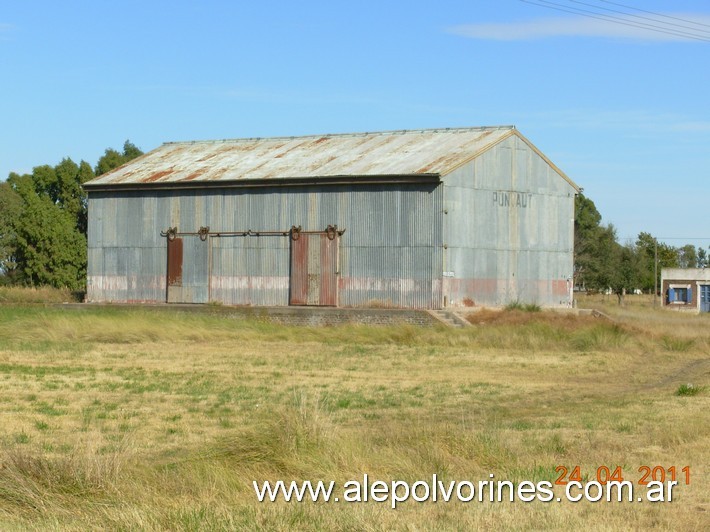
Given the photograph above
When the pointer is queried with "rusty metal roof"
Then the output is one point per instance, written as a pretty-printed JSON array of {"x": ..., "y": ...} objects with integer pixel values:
[{"x": 393, "y": 153}]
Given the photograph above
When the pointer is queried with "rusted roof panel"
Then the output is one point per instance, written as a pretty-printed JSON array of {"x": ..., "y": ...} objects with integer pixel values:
[{"x": 393, "y": 153}]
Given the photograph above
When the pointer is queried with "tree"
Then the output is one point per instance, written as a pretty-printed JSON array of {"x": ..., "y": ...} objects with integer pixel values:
[
  {"x": 629, "y": 270},
  {"x": 10, "y": 209},
  {"x": 702, "y": 258},
  {"x": 48, "y": 247},
  {"x": 112, "y": 159},
  {"x": 586, "y": 227},
  {"x": 597, "y": 254},
  {"x": 72, "y": 197},
  {"x": 43, "y": 221},
  {"x": 687, "y": 256},
  {"x": 667, "y": 256},
  {"x": 62, "y": 184},
  {"x": 649, "y": 247},
  {"x": 600, "y": 262},
  {"x": 605, "y": 267},
  {"x": 646, "y": 248}
]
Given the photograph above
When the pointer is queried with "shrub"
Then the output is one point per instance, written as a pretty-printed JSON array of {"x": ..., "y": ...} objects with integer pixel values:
[
  {"x": 525, "y": 307},
  {"x": 678, "y": 345},
  {"x": 689, "y": 390}
]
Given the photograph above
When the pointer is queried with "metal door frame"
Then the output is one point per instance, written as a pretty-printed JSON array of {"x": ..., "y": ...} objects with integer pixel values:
[
  {"x": 175, "y": 246},
  {"x": 304, "y": 282},
  {"x": 704, "y": 297},
  {"x": 175, "y": 268}
]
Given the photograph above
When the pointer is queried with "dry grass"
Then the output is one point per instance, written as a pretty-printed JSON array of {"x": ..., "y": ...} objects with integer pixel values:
[
  {"x": 42, "y": 295},
  {"x": 161, "y": 420}
]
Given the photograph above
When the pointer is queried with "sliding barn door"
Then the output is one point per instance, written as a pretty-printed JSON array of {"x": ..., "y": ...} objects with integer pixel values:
[
  {"x": 314, "y": 269},
  {"x": 188, "y": 270}
]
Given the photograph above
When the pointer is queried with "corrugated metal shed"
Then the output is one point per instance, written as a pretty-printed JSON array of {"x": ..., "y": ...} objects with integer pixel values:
[
  {"x": 432, "y": 218},
  {"x": 433, "y": 152}
]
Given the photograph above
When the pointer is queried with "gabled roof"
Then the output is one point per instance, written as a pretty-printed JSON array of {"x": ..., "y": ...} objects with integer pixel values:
[{"x": 422, "y": 153}]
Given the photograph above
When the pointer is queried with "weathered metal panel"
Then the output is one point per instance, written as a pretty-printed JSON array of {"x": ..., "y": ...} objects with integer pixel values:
[
  {"x": 175, "y": 256},
  {"x": 328, "y": 268},
  {"x": 390, "y": 253},
  {"x": 509, "y": 230},
  {"x": 195, "y": 277},
  {"x": 299, "y": 270},
  {"x": 394, "y": 153},
  {"x": 249, "y": 270},
  {"x": 188, "y": 270},
  {"x": 314, "y": 275},
  {"x": 313, "y": 270}
]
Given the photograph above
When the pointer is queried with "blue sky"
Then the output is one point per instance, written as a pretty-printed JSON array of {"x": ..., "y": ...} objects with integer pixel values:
[{"x": 625, "y": 112}]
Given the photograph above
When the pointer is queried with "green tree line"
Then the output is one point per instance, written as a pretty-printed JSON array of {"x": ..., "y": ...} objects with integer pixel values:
[
  {"x": 602, "y": 263},
  {"x": 43, "y": 221}
]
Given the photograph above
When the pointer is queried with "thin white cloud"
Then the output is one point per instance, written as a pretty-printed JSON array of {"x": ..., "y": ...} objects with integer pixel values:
[
  {"x": 581, "y": 27},
  {"x": 5, "y": 31}
]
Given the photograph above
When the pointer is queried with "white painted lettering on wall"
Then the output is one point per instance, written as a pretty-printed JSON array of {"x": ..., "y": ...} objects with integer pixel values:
[{"x": 504, "y": 198}]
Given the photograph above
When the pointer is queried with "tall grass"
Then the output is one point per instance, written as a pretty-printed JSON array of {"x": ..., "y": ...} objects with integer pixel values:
[
  {"x": 36, "y": 483},
  {"x": 45, "y": 294},
  {"x": 672, "y": 343},
  {"x": 525, "y": 307},
  {"x": 602, "y": 337},
  {"x": 294, "y": 440},
  {"x": 161, "y": 420},
  {"x": 509, "y": 330}
]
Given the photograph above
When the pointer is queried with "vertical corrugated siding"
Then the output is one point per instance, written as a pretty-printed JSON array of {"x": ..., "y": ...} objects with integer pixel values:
[
  {"x": 175, "y": 255},
  {"x": 195, "y": 270},
  {"x": 313, "y": 272},
  {"x": 390, "y": 253},
  {"x": 250, "y": 270},
  {"x": 328, "y": 258},
  {"x": 190, "y": 256},
  {"x": 313, "y": 278},
  {"x": 390, "y": 249},
  {"x": 499, "y": 251},
  {"x": 299, "y": 271}
]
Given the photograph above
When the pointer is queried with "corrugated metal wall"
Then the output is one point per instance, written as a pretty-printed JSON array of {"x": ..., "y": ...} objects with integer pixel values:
[
  {"x": 314, "y": 269},
  {"x": 194, "y": 266},
  {"x": 508, "y": 230},
  {"x": 390, "y": 253}
]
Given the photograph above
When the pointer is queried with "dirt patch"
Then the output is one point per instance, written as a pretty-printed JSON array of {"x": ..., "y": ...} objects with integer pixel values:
[{"x": 695, "y": 371}]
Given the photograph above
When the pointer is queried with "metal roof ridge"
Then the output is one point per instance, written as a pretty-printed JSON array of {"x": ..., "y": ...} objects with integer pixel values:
[{"x": 345, "y": 135}]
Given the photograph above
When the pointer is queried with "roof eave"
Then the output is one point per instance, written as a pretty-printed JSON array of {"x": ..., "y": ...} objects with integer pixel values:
[{"x": 261, "y": 183}]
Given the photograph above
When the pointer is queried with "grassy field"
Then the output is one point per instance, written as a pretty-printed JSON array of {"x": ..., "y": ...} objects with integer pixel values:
[{"x": 159, "y": 420}]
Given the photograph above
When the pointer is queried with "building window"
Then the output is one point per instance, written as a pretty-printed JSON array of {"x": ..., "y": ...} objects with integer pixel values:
[{"x": 679, "y": 295}]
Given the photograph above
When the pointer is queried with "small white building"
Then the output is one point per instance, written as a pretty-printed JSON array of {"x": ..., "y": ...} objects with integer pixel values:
[{"x": 686, "y": 288}]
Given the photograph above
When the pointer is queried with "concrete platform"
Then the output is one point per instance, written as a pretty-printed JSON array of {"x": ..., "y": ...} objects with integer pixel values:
[{"x": 306, "y": 316}]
